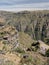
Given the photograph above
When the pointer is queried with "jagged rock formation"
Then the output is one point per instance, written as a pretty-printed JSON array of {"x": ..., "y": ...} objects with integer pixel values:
[
  {"x": 9, "y": 37},
  {"x": 31, "y": 26},
  {"x": 9, "y": 40},
  {"x": 40, "y": 46},
  {"x": 35, "y": 23}
]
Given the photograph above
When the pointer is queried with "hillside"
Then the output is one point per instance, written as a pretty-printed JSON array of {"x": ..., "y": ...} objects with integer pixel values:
[
  {"x": 35, "y": 23},
  {"x": 24, "y": 38}
]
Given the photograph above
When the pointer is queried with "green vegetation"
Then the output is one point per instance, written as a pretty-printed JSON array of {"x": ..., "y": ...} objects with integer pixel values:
[
  {"x": 25, "y": 40},
  {"x": 47, "y": 53},
  {"x": 47, "y": 40},
  {"x": 8, "y": 63},
  {"x": 31, "y": 27},
  {"x": 35, "y": 23},
  {"x": 19, "y": 50}
]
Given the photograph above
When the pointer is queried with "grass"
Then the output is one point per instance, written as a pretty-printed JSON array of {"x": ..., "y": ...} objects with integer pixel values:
[
  {"x": 25, "y": 40},
  {"x": 9, "y": 63},
  {"x": 19, "y": 50}
]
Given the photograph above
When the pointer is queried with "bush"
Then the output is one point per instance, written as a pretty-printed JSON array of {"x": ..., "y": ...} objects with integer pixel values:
[
  {"x": 29, "y": 59},
  {"x": 47, "y": 53},
  {"x": 8, "y": 63},
  {"x": 47, "y": 40},
  {"x": 5, "y": 42},
  {"x": 19, "y": 50}
]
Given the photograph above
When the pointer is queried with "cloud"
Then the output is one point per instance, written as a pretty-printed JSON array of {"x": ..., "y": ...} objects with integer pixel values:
[
  {"x": 32, "y": 5},
  {"x": 17, "y": 5},
  {"x": 14, "y": 2}
]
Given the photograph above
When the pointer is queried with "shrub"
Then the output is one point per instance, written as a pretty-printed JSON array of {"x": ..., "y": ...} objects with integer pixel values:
[
  {"x": 8, "y": 63},
  {"x": 29, "y": 59},
  {"x": 5, "y": 42},
  {"x": 47, "y": 53},
  {"x": 47, "y": 40},
  {"x": 19, "y": 50}
]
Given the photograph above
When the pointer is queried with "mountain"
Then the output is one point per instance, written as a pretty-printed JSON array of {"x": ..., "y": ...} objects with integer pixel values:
[
  {"x": 19, "y": 38},
  {"x": 35, "y": 23}
]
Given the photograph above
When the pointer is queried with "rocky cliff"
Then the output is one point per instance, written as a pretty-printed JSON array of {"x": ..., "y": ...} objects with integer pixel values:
[
  {"x": 19, "y": 35},
  {"x": 35, "y": 23}
]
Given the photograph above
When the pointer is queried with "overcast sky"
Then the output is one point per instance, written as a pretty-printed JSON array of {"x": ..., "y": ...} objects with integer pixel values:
[{"x": 17, "y": 5}]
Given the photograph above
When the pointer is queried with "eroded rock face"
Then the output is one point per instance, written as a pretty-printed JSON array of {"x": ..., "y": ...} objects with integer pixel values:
[
  {"x": 9, "y": 37},
  {"x": 43, "y": 47},
  {"x": 35, "y": 23},
  {"x": 40, "y": 46}
]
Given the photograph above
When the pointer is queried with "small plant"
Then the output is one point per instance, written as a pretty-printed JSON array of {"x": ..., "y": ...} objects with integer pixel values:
[
  {"x": 30, "y": 59},
  {"x": 8, "y": 63},
  {"x": 19, "y": 50},
  {"x": 47, "y": 53},
  {"x": 4, "y": 48},
  {"x": 5, "y": 42},
  {"x": 47, "y": 40}
]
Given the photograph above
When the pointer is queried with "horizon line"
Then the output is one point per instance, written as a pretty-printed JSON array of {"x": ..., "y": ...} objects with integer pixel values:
[{"x": 24, "y": 9}]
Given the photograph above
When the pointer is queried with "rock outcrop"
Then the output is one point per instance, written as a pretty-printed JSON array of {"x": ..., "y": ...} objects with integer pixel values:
[
  {"x": 40, "y": 46},
  {"x": 9, "y": 37}
]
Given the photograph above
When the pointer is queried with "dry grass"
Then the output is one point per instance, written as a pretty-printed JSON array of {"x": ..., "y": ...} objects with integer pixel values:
[
  {"x": 25, "y": 39},
  {"x": 11, "y": 57}
]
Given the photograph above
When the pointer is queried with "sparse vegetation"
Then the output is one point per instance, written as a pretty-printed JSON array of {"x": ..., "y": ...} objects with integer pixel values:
[
  {"x": 47, "y": 53},
  {"x": 19, "y": 33},
  {"x": 8, "y": 63},
  {"x": 19, "y": 50}
]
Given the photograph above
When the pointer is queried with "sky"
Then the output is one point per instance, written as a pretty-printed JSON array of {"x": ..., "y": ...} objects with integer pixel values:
[{"x": 19, "y": 5}]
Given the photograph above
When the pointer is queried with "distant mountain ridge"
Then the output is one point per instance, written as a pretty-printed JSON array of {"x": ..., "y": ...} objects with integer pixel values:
[{"x": 34, "y": 23}]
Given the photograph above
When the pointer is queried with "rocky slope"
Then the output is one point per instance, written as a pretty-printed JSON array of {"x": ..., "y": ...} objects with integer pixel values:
[
  {"x": 19, "y": 32},
  {"x": 9, "y": 40},
  {"x": 35, "y": 23}
]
